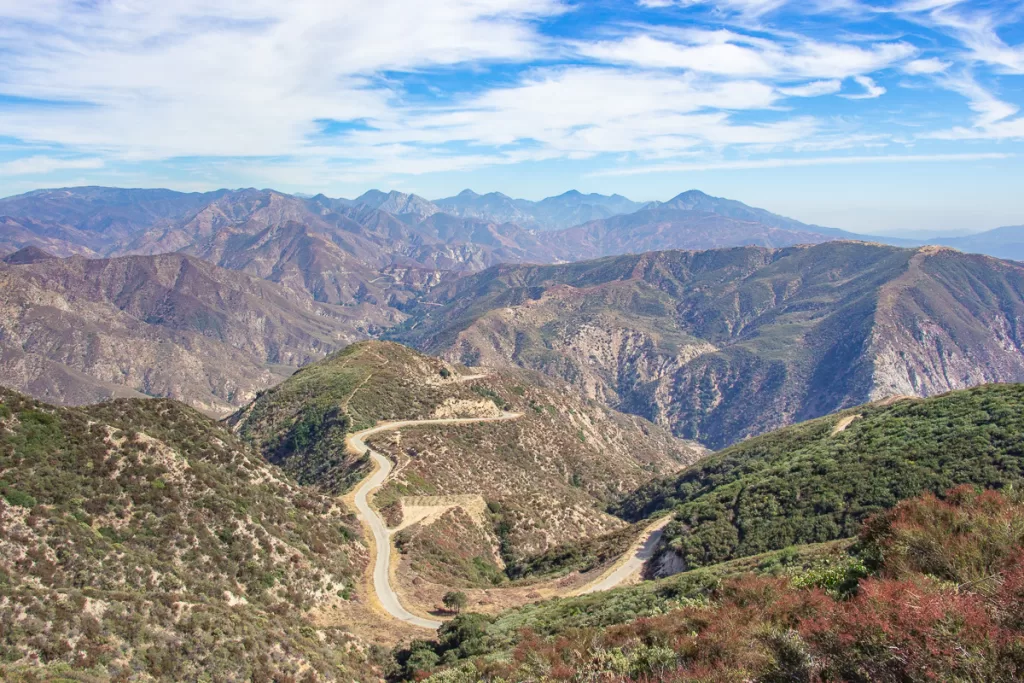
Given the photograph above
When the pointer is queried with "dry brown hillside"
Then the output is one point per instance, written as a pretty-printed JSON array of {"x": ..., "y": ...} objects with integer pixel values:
[{"x": 526, "y": 484}]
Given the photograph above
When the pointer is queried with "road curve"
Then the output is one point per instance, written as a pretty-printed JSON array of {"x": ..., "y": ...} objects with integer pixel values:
[
  {"x": 381, "y": 536},
  {"x": 640, "y": 554}
]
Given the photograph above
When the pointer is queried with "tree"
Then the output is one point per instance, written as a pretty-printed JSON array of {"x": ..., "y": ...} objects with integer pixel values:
[{"x": 455, "y": 601}]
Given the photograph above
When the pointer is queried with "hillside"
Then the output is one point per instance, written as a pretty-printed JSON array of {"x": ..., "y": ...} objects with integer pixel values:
[
  {"x": 139, "y": 539},
  {"x": 722, "y": 345},
  {"x": 78, "y": 330},
  {"x": 818, "y": 481},
  {"x": 930, "y": 591},
  {"x": 527, "y": 484}
]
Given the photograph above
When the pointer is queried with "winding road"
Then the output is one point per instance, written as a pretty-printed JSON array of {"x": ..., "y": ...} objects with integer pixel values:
[
  {"x": 381, "y": 536},
  {"x": 627, "y": 566}
]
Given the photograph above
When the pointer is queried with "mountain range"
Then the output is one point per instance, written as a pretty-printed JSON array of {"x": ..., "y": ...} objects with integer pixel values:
[
  {"x": 225, "y": 293},
  {"x": 80, "y": 330},
  {"x": 725, "y": 344}
]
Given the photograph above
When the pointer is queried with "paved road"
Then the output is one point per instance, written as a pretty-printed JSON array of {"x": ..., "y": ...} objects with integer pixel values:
[
  {"x": 382, "y": 538},
  {"x": 386, "y": 594},
  {"x": 641, "y": 553}
]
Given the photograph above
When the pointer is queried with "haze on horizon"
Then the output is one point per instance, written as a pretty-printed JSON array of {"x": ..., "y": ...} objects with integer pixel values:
[{"x": 877, "y": 117}]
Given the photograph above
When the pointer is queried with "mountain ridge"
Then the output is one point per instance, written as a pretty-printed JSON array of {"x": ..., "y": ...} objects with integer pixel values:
[
  {"x": 678, "y": 337},
  {"x": 78, "y": 330}
]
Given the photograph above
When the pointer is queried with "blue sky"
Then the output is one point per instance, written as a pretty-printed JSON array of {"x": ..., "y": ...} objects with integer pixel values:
[{"x": 871, "y": 116}]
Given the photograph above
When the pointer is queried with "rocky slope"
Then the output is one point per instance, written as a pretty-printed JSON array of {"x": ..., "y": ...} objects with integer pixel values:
[
  {"x": 140, "y": 540},
  {"x": 78, "y": 330},
  {"x": 539, "y": 480},
  {"x": 721, "y": 345}
]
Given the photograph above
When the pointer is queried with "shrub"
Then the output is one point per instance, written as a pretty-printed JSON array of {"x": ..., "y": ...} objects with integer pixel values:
[
  {"x": 967, "y": 538},
  {"x": 934, "y": 593},
  {"x": 18, "y": 498}
]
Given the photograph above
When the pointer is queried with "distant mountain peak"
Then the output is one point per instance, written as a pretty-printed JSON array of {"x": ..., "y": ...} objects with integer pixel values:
[
  {"x": 691, "y": 196},
  {"x": 467, "y": 194},
  {"x": 28, "y": 255}
]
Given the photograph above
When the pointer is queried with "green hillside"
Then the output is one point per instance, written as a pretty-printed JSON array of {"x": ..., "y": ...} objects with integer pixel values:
[
  {"x": 818, "y": 481},
  {"x": 932, "y": 591},
  {"x": 140, "y": 540},
  {"x": 301, "y": 424}
]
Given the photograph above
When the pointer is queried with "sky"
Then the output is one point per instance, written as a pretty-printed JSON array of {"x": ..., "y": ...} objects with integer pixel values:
[{"x": 873, "y": 116}]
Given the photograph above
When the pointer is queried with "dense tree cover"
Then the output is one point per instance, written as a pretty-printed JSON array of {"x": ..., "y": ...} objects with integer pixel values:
[
  {"x": 943, "y": 600},
  {"x": 140, "y": 539},
  {"x": 812, "y": 482}
]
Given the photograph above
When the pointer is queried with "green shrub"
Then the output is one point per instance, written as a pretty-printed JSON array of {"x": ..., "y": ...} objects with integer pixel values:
[{"x": 19, "y": 498}]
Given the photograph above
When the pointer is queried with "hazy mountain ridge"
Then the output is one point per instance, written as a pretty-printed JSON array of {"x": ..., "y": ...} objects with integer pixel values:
[
  {"x": 1005, "y": 242},
  {"x": 553, "y": 213},
  {"x": 79, "y": 330},
  {"x": 97, "y": 221}
]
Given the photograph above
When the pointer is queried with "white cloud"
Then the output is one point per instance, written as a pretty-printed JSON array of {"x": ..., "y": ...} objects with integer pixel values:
[
  {"x": 992, "y": 115},
  {"x": 727, "y": 53},
  {"x": 988, "y": 108},
  {"x": 236, "y": 77},
  {"x": 584, "y": 111},
  {"x": 41, "y": 165},
  {"x": 254, "y": 81},
  {"x": 871, "y": 89},
  {"x": 977, "y": 28},
  {"x": 923, "y": 67},
  {"x": 814, "y": 89},
  {"x": 791, "y": 162},
  {"x": 753, "y": 8}
]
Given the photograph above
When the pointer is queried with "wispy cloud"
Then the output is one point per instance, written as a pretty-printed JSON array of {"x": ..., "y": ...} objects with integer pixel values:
[
  {"x": 41, "y": 165},
  {"x": 406, "y": 88},
  {"x": 235, "y": 77},
  {"x": 871, "y": 89},
  {"x": 754, "y": 8},
  {"x": 800, "y": 162},
  {"x": 932, "y": 65}
]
